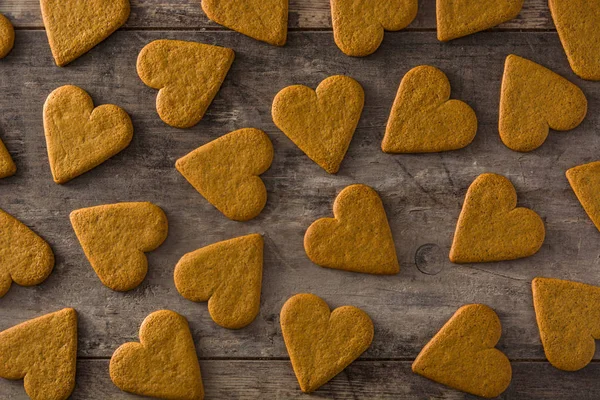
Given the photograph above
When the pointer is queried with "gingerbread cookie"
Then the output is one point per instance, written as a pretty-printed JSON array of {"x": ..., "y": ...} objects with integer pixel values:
[
  {"x": 578, "y": 26},
  {"x": 462, "y": 355},
  {"x": 322, "y": 343},
  {"x": 7, "y": 166},
  {"x": 26, "y": 258},
  {"x": 568, "y": 317},
  {"x": 359, "y": 25},
  {"x": 228, "y": 275},
  {"x": 424, "y": 119},
  {"x": 42, "y": 352},
  {"x": 458, "y": 18},
  {"x": 7, "y": 36},
  {"x": 80, "y": 137},
  {"x": 585, "y": 181},
  {"x": 357, "y": 239},
  {"x": 114, "y": 238},
  {"x": 226, "y": 172},
  {"x": 491, "y": 227},
  {"x": 534, "y": 99},
  {"x": 264, "y": 20},
  {"x": 188, "y": 76},
  {"x": 322, "y": 122},
  {"x": 74, "y": 27},
  {"x": 163, "y": 364}
]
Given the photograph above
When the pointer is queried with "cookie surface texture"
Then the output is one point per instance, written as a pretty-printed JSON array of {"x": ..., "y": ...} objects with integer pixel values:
[
  {"x": 188, "y": 76},
  {"x": 322, "y": 122},
  {"x": 74, "y": 27},
  {"x": 533, "y": 100},
  {"x": 226, "y": 172},
  {"x": 424, "y": 119},
  {"x": 585, "y": 182},
  {"x": 357, "y": 239},
  {"x": 42, "y": 352},
  {"x": 462, "y": 355},
  {"x": 163, "y": 364},
  {"x": 491, "y": 227},
  {"x": 114, "y": 238},
  {"x": 7, "y": 165},
  {"x": 321, "y": 342},
  {"x": 7, "y": 36}
]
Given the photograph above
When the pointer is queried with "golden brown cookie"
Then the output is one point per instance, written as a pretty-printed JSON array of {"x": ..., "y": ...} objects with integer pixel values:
[
  {"x": 568, "y": 317},
  {"x": 534, "y": 99},
  {"x": 42, "y": 352},
  {"x": 321, "y": 342},
  {"x": 462, "y": 355},
  {"x": 228, "y": 275},
  {"x": 491, "y": 227},
  {"x": 226, "y": 172},
  {"x": 322, "y": 122},
  {"x": 264, "y": 20},
  {"x": 357, "y": 239},
  {"x": 74, "y": 27},
  {"x": 114, "y": 238},
  {"x": 424, "y": 119},
  {"x": 26, "y": 258},
  {"x": 80, "y": 137},
  {"x": 7, "y": 166},
  {"x": 164, "y": 364},
  {"x": 578, "y": 26},
  {"x": 7, "y": 36},
  {"x": 458, "y": 18},
  {"x": 585, "y": 181},
  {"x": 358, "y": 25},
  {"x": 188, "y": 76}
]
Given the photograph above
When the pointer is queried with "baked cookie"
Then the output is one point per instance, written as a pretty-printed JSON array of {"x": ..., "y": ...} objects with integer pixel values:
[
  {"x": 534, "y": 99},
  {"x": 163, "y": 364},
  {"x": 74, "y": 27},
  {"x": 264, "y": 20},
  {"x": 7, "y": 36},
  {"x": 357, "y": 239},
  {"x": 322, "y": 122},
  {"x": 424, "y": 119},
  {"x": 358, "y": 25},
  {"x": 7, "y": 166},
  {"x": 568, "y": 317},
  {"x": 578, "y": 26},
  {"x": 458, "y": 18},
  {"x": 491, "y": 227},
  {"x": 585, "y": 181},
  {"x": 188, "y": 76},
  {"x": 228, "y": 275},
  {"x": 80, "y": 137},
  {"x": 114, "y": 238},
  {"x": 42, "y": 352},
  {"x": 462, "y": 355},
  {"x": 226, "y": 172},
  {"x": 322, "y": 343},
  {"x": 26, "y": 258}
]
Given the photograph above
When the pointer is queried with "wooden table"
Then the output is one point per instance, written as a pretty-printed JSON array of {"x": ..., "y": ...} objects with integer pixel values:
[{"x": 422, "y": 194}]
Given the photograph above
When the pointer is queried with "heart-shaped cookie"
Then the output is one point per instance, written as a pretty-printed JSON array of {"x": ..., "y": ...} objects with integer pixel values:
[
  {"x": 7, "y": 166},
  {"x": 358, "y": 25},
  {"x": 7, "y": 36},
  {"x": 264, "y": 20},
  {"x": 228, "y": 275},
  {"x": 424, "y": 119},
  {"x": 80, "y": 137},
  {"x": 491, "y": 227},
  {"x": 164, "y": 364},
  {"x": 74, "y": 27},
  {"x": 585, "y": 181},
  {"x": 534, "y": 99},
  {"x": 568, "y": 317},
  {"x": 458, "y": 18},
  {"x": 321, "y": 342},
  {"x": 188, "y": 76},
  {"x": 578, "y": 26},
  {"x": 42, "y": 352},
  {"x": 462, "y": 355},
  {"x": 114, "y": 238},
  {"x": 357, "y": 239},
  {"x": 226, "y": 172},
  {"x": 322, "y": 122},
  {"x": 26, "y": 258}
]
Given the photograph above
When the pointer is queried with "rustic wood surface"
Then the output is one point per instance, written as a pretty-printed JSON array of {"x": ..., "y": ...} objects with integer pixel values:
[{"x": 422, "y": 195}]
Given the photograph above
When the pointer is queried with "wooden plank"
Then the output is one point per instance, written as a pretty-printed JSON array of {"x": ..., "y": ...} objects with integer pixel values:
[{"x": 304, "y": 14}]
